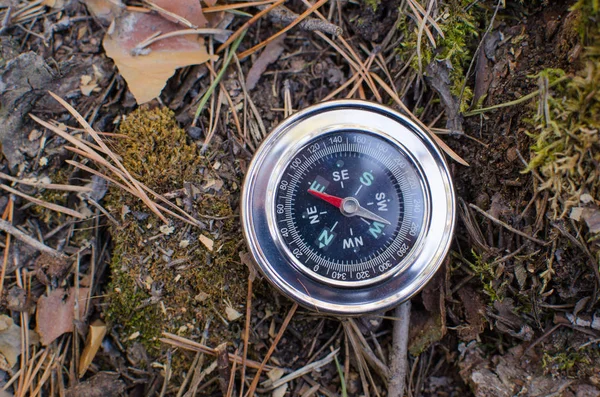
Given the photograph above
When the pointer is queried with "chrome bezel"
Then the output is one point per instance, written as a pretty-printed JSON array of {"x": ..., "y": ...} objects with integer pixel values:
[{"x": 258, "y": 212}]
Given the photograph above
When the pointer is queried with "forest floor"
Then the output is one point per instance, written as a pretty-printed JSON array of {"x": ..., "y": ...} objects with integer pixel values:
[{"x": 126, "y": 131}]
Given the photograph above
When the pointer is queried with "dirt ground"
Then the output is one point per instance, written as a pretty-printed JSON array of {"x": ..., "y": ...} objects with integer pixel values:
[{"x": 124, "y": 267}]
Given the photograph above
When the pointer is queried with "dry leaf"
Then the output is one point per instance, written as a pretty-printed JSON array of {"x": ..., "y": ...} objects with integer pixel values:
[
  {"x": 147, "y": 74},
  {"x": 275, "y": 374},
  {"x": 208, "y": 243},
  {"x": 232, "y": 314},
  {"x": 190, "y": 10},
  {"x": 55, "y": 313},
  {"x": 104, "y": 10},
  {"x": 280, "y": 391},
  {"x": 56, "y": 4},
  {"x": 269, "y": 55},
  {"x": 92, "y": 344},
  {"x": 10, "y": 342},
  {"x": 88, "y": 84}
]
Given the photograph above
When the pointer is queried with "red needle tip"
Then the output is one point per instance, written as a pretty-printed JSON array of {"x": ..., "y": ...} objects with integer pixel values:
[{"x": 335, "y": 201}]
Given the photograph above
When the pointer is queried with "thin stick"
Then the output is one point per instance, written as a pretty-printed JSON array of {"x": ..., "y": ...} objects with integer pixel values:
[
  {"x": 283, "y": 327},
  {"x": 51, "y": 186},
  {"x": 506, "y": 225},
  {"x": 19, "y": 235},
  {"x": 399, "y": 362},
  {"x": 8, "y": 215},
  {"x": 50, "y": 206},
  {"x": 246, "y": 25},
  {"x": 228, "y": 7},
  {"x": 300, "y": 18},
  {"x": 246, "y": 331}
]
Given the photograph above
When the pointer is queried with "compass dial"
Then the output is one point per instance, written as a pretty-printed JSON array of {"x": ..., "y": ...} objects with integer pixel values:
[{"x": 350, "y": 208}]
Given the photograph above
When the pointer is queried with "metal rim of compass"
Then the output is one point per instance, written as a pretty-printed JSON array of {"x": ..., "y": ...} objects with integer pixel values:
[{"x": 259, "y": 189}]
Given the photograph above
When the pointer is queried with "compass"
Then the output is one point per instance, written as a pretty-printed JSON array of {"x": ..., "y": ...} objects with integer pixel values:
[{"x": 348, "y": 207}]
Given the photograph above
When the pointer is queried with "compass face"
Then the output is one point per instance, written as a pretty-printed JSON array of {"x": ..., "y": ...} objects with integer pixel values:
[{"x": 349, "y": 208}]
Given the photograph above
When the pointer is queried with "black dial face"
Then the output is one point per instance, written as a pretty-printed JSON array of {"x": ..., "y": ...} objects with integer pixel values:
[{"x": 350, "y": 207}]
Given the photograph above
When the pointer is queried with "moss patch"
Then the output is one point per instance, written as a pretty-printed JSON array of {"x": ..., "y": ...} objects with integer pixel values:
[{"x": 165, "y": 278}]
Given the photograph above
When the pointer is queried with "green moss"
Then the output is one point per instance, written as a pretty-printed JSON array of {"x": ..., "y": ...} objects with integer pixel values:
[
  {"x": 171, "y": 281},
  {"x": 373, "y": 4},
  {"x": 460, "y": 35},
  {"x": 564, "y": 362},
  {"x": 490, "y": 275},
  {"x": 566, "y": 151}
]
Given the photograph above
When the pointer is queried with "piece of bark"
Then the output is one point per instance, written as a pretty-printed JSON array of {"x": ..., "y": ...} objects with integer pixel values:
[{"x": 100, "y": 385}]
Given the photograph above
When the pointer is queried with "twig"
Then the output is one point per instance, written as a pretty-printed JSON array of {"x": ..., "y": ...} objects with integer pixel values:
[
  {"x": 19, "y": 235},
  {"x": 6, "y": 216},
  {"x": 302, "y": 371},
  {"x": 296, "y": 21},
  {"x": 245, "y": 26},
  {"x": 187, "y": 344},
  {"x": 507, "y": 226},
  {"x": 399, "y": 362},
  {"x": 282, "y": 329},
  {"x": 284, "y": 15}
]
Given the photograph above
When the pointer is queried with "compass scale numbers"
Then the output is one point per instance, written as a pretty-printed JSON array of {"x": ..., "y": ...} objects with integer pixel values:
[{"x": 350, "y": 207}]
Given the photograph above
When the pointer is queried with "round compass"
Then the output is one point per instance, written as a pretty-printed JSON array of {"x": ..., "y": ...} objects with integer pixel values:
[{"x": 348, "y": 207}]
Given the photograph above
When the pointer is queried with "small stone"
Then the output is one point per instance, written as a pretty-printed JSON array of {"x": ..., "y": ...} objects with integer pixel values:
[
  {"x": 184, "y": 243},
  {"x": 194, "y": 132},
  {"x": 135, "y": 335}
]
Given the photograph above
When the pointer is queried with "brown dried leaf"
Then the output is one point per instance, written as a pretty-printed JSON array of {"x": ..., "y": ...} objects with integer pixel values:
[
  {"x": 92, "y": 344},
  {"x": 55, "y": 313},
  {"x": 190, "y": 10},
  {"x": 147, "y": 74},
  {"x": 269, "y": 55},
  {"x": 10, "y": 342},
  {"x": 104, "y": 10}
]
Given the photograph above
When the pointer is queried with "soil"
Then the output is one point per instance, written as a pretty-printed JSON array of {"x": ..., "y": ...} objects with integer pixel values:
[{"x": 493, "y": 322}]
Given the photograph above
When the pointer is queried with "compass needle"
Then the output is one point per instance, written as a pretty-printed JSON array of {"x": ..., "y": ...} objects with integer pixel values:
[{"x": 393, "y": 200}]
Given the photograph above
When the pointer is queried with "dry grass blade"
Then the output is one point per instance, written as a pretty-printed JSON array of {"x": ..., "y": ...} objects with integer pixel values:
[
  {"x": 302, "y": 16},
  {"x": 191, "y": 220},
  {"x": 437, "y": 140},
  {"x": 51, "y": 186},
  {"x": 130, "y": 184},
  {"x": 112, "y": 156},
  {"x": 246, "y": 25},
  {"x": 42, "y": 203},
  {"x": 358, "y": 68},
  {"x": 187, "y": 344},
  {"x": 236, "y": 6},
  {"x": 507, "y": 226},
  {"x": 282, "y": 329},
  {"x": 158, "y": 37}
]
